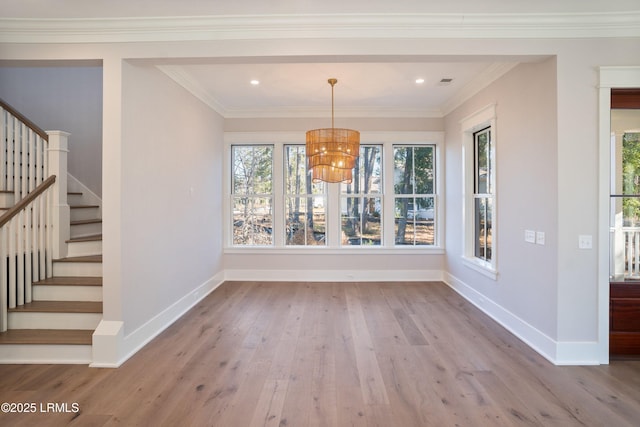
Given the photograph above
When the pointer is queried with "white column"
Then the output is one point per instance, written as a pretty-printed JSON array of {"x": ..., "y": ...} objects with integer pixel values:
[{"x": 60, "y": 214}]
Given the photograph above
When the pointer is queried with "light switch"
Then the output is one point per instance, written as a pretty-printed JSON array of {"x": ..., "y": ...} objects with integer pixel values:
[
  {"x": 540, "y": 237},
  {"x": 585, "y": 241},
  {"x": 529, "y": 236}
]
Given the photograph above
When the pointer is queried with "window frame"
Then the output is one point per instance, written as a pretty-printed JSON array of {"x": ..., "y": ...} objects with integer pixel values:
[
  {"x": 233, "y": 196},
  {"x": 333, "y": 221},
  {"x": 484, "y": 119},
  {"x": 415, "y": 195}
]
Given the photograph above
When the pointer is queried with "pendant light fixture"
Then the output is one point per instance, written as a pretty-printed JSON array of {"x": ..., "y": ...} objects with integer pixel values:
[{"x": 332, "y": 152}]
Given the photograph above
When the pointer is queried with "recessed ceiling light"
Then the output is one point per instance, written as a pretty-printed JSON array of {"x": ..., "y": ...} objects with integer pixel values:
[
  {"x": 419, "y": 81},
  {"x": 255, "y": 82}
]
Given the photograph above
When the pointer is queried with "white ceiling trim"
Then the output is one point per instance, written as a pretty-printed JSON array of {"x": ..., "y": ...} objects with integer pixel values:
[
  {"x": 247, "y": 27},
  {"x": 184, "y": 79},
  {"x": 482, "y": 80}
]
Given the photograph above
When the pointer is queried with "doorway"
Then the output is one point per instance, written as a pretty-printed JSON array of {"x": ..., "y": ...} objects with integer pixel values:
[
  {"x": 624, "y": 240},
  {"x": 611, "y": 78}
]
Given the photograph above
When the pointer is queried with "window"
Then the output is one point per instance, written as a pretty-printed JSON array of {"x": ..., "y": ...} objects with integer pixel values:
[
  {"x": 479, "y": 191},
  {"x": 483, "y": 194},
  {"x": 413, "y": 187},
  {"x": 252, "y": 195},
  {"x": 391, "y": 204},
  {"x": 305, "y": 201},
  {"x": 361, "y": 201}
]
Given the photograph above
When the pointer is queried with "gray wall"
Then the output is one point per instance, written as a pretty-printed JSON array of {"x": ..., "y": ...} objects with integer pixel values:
[{"x": 67, "y": 98}]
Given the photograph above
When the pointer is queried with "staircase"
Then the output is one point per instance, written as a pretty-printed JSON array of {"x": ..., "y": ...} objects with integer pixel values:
[{"x": 57, "y": 326}]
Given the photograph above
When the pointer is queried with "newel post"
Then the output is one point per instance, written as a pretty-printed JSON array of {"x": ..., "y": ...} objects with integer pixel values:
[{"x": 60, "y": 212}]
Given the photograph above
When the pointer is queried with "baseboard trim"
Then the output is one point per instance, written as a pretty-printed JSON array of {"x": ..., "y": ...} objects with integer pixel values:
[
  {"x": 44, "y": 354},
  {"x": 557, "y": 352},
  {"x": 335, "y": 275},
  {"x": 112, "y": 349},
  {"x": 122, "y": 347}
]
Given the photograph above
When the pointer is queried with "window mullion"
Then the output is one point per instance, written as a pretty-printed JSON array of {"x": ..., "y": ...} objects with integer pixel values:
[
  {"x": 278, "y": 186},
  {"x": 388, "y": 199},
  {"x": 333, "y": 217}
]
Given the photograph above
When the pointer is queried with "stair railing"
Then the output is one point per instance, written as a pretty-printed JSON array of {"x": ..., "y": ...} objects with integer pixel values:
[
  {"x": 29, "y": 157},
  {"x": 26, "y": 247}
]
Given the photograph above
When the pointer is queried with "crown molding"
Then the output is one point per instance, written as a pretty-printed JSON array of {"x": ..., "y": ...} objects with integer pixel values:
[
  {"x": 184, "y": 79},
  {"x": 246, "y": 27},
  {"x": 482, "y": 80}
]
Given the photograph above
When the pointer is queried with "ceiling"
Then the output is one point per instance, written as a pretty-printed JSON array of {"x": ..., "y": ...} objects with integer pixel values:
[
  {"x": 297, "y": 86},
  {"x": 364, "y": 89}
]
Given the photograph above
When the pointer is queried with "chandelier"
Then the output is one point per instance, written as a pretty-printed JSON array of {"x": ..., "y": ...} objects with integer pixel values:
[{"x": 332, "y": 152}]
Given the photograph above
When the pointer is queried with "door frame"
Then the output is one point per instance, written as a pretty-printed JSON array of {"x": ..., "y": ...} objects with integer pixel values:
[{"x": 610, "y": 78}]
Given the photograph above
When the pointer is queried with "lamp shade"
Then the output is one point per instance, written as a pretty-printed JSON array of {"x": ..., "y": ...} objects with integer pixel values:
[{"x": 332, "y": 152}]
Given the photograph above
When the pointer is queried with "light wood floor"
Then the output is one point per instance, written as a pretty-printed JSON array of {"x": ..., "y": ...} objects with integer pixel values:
[{"x": 331, "y": 354}]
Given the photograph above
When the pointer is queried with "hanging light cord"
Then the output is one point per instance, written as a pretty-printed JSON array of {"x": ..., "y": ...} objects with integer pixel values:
[{"x": 332, "y": 82}]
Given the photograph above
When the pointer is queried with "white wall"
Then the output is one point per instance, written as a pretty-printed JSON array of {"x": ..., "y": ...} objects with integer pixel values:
[
  {"x": 171, "y": 202},
  {"x": 569, "y": 208},
  {"x": 67, "y": 98},
  {"x": 526, "y": 198}
]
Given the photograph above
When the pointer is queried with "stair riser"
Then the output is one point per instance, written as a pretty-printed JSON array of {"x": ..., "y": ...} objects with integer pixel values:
[
  {"x": 45, "y": 354},
  {"x": 75, "y": 199},
  {"x": 78, "y": 214},
  {"x": 84, "y": 248},
  {"x": 82, "y": 269},
  {"x": 67, "y": 293},
  {"x": 86, "y": 229},
  {"x": 19, "y": 320}
]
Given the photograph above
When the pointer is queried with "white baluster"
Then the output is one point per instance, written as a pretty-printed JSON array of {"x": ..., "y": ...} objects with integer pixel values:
[
  {"x": 627, "y": 251},
  {"x": 20, "y": 258},
  {"x": 39, "y": 159},
  {"x": 50, "y": 251},
  {"x": 28, "y": 254},
  {"x": 10, "y": 150},
  {"x": 24, "y": 171},
  {"x": 11, "y": 252},
  {"x": 41, "y": 236},
  {"x": 3, "y": 150},
  {"x": 4, "y": 304},
  {"x": 636, "y": 254},
  {"x": 35, "y": 226}
]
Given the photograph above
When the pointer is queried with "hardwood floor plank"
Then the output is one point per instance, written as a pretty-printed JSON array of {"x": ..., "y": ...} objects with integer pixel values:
[
  {"x": 371, "y": 382},
  {"x": 268, "y": 411},
  {"x": 331, "y": 354}
]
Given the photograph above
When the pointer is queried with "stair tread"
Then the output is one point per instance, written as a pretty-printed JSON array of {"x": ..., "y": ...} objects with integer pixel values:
[
  {"x": 75, "y": 193},
  {"x": 59, "y": 307},
  {"x": 92, "y": 238},
  {"x": 47, "y": 336},
  {"x": 85, "y": 258},
  {"x": 83, "y": 206},
  {"x": 86, "y": 221},
  {"x": 71, "y": 281}
]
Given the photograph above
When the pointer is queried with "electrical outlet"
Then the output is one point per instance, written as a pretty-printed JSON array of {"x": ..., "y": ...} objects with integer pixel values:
[
  {"x": 529, "y": 236},
  {"x": 585, "y": 241},
  {"x": 540, "y": 237}
]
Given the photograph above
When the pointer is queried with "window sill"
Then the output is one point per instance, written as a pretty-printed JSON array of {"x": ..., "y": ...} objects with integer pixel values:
[
  {"x": 481, "y": 267},
  {"x": 305, "y": 250}
]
